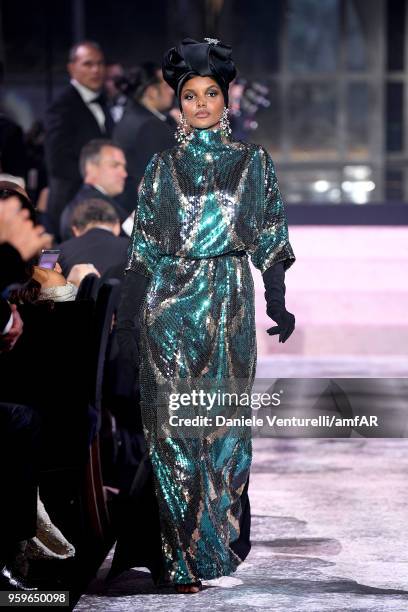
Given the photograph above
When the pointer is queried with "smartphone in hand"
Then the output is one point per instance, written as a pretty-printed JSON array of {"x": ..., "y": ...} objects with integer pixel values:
[{"x": 48, "y": 258}]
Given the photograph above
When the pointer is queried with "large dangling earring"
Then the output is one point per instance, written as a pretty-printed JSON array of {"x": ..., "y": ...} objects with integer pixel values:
[
  {"x": 225, "y": 124},
  {"x": 183, "y": 134}
]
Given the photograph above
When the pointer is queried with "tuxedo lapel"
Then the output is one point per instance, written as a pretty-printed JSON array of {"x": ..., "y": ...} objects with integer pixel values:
[{"x": 85, "y": 111}]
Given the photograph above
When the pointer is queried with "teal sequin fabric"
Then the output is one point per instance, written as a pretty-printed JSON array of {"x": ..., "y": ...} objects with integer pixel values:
[{"x": 204, "y": 207}]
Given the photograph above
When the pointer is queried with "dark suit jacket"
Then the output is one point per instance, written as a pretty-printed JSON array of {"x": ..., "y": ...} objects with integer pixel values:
[
  {"x": 69, "y": 125},
  {"x": 12, "y": 266},
  {"x": 141, "y": 134},
  {"x": 86, "y": 192},
  {"x": 98, "y": 246},
  {"x": 51, "y": 369},
  {"x": 12, "y": 270}
]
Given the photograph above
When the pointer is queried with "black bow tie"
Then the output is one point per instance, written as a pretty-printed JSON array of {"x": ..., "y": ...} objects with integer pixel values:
[{"x": 101, "y": 100}]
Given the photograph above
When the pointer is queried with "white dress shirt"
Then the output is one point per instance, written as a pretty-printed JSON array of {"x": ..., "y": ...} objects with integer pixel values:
[
  {"x": 87, "y": 95},
  {"x": 101, "y": 189},
  {"x": 8, "y": 326}
]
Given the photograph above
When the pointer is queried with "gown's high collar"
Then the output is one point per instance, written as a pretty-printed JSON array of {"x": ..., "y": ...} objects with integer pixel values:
[{"x": 208, "y": 139}]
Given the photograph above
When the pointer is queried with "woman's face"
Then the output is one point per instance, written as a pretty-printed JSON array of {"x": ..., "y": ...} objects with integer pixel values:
[{"x": 202, "y": 102}]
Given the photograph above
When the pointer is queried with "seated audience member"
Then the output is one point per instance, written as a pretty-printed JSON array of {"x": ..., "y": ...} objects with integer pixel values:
[
  {"x": 42, "y": 540},
  {"x": 46, "y": 285},
  {"x": 19, "y": 427},
  {"x": 96, "y": 228},
  {"x": 19, "y": 446},
  {"x": 51, "y": 285},
  {"x": 15, "y": 186},
  {"x": 103, "y": 167},
  {"x": 20, "y": 239}
]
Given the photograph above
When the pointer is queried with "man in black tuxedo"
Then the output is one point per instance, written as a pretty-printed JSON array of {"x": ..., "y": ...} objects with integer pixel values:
[
  {"x": 146, "y": 127},
  {"x": 77, "y": 116},
  {"x": 96, "y": 228},
  {"x": 102, "y": 165}
]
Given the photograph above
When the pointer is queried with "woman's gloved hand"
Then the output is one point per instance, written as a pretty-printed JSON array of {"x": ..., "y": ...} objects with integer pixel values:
[
  {"x": 285, "y": 327},
  {"x": 133, "y": 291},
  {"x": 274, "y": 281}
]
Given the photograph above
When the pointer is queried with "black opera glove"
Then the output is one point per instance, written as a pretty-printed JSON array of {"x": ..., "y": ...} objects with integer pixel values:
[
  {"x": 274, "y": 281},
  {"x": 132, "y": 294},
  {"x": 285, "y": 327}
]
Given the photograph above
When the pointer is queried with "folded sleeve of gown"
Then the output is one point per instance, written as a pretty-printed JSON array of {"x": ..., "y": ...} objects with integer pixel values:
[
  {"x": 272, "y": 244},
  {"x": 143, "y": 251}
]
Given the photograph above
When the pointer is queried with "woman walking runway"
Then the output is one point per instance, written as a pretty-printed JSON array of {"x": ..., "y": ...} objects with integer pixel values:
[{"x": 205, "y": 206}]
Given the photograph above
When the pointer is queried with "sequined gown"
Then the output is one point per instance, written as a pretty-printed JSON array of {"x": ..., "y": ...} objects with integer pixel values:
[{"x": 204, "y": 206}]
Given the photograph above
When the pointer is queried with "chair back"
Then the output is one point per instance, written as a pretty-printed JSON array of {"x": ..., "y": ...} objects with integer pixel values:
[
  {"x": 88, "y": 289},
  {"x": 106, "y": 304},
  {"x": 94, "y": 493}
]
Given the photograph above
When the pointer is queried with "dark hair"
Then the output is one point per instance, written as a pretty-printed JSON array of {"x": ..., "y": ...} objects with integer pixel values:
[
  {"x": 138, "y": 79},
  {"x": 93, "y": 211},
  {"x": 29, "y": 292},
  {"x": 92, "y": 152},
  {"x": 83, "y": 43},
  {"x": 9, "y": 189},
  {"x": 211, "y": 76}
]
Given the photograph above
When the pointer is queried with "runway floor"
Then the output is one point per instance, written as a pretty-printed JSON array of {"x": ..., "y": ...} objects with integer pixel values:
[{"x": 329, "y": 534}]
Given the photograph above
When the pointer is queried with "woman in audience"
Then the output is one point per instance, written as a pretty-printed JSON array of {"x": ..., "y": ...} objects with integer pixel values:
[
  {"x": 23, "y": 516},
  {"x": 51, "y": 285}
]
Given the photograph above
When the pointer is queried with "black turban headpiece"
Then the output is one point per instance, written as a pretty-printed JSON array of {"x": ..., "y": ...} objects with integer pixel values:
[{"x": 192, "y": 58}]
